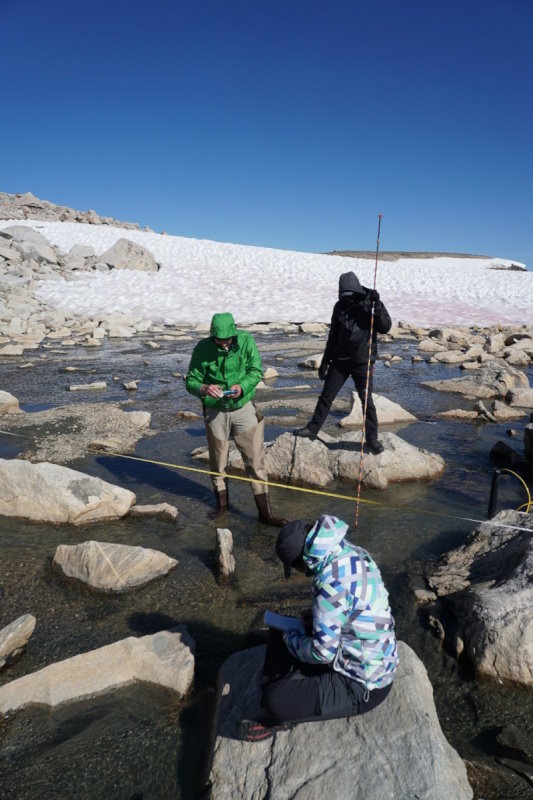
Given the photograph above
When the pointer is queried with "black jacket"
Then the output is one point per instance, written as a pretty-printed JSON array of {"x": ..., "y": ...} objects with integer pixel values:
[{"x": 349, "y": 334}]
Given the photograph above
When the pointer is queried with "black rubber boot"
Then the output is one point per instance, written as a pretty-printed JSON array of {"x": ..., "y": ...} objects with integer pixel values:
[
  {"x": 306, "y": 432},
  {"x": 262, "y": 502},
  {"x": 374, "y": 446}
]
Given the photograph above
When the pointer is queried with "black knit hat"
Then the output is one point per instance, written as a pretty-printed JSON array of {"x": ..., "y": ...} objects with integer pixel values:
[{"x": 290, "y": 543}]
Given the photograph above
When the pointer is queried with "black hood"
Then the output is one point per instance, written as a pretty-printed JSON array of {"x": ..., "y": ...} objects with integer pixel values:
[{"x": 349, "y": 282}]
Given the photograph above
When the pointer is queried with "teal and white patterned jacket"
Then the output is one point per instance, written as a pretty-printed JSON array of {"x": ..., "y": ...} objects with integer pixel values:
[{"x": 353, "y": 628}]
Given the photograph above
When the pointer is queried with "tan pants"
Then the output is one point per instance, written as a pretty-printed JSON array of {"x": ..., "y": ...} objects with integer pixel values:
[{"x": 248, "y": 429}]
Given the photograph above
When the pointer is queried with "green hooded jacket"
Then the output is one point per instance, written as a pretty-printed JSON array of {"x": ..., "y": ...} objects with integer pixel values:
[{"x": 241, "y": 365}]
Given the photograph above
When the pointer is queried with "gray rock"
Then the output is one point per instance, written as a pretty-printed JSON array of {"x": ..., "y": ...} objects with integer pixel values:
[
  {"x": 313, "y": 327},
  {"x": 160, "y": 510},
  {"x": 112, "y": 567},
  {"x": 125, "y": 254},
  {"x": 317, "y": 462},
  {"x": 387, "y": 411},
  {"x": 520, "y": 397},
  {"x": 164, "y": 658},
  {"x": 50, "y": 493},
  {"x": 14, "y": 637},
  {"x": 487, "y": 585},
  {"x": 8, "y": 403},
  {"x": 224, "y": 559},
  {"x": 396, "y": 751},
  {"x": 491, "y": 380},
  {"x": 312, "y": 362}
]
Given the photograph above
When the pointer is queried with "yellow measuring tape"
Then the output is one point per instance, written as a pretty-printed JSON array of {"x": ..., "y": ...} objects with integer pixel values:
[{"x": 352, "y": 498}]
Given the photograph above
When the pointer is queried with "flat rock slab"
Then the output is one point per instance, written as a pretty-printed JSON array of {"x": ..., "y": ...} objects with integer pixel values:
[
  {"x": 317, "y": 462},
  {"x": 112, "y": 567},
  {"x": 51, "y": 493},
  {"x": 159, "y": 510},
  {"x": 164, "y": 658},
  {"x": 15, "y": 636},
  {"x": 394, "y": 752},
  {"x": 490, "y": 380},
  {"x": 488, "y": 588},
  {"x": 67, "y": 433},
  {"x": 388, "y": 412}
]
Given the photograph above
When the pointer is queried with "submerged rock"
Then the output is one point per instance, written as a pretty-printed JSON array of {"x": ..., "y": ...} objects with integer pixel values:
[
  {"x": 112, "y": 567},
  {"x": 487, "y": 586},
  {"x": 68, "y": 432},
  {"x": 396, "y": 751},
  {"x": 51, "y": 493},
  {"x": 164, "y": 658},
  {"x": 14, "y": 637}
]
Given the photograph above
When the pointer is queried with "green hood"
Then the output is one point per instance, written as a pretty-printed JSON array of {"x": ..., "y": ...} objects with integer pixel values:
[{"x": 223, "y": 326}]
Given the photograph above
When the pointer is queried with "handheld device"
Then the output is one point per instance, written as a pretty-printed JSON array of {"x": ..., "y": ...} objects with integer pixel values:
[{"x": 229, "y": 393}]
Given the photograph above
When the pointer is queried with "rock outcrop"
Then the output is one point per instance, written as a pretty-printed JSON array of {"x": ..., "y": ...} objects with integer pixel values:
[
  {"x": 50, "y": 493},
  {"x": 317, "y": 462},
  {"x": 112, "y": 567},
  {"x": 8, "y": 404},
  {"x": 164, "y": 658},
  {"x": 396, "y": 751},
  {"x": 486, "y": 587}
]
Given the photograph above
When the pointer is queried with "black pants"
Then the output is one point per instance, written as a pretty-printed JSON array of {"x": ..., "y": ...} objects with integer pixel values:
[
  {"x": 296, "y": 691},
  {"x": 338, "y": 373}
]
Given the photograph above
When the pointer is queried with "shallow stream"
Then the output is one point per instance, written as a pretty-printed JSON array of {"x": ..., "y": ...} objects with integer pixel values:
[{"x": 140, "y": 742}]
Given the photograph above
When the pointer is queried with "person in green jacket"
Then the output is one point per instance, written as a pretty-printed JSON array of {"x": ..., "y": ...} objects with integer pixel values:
[{"x": 225, "y": 368}]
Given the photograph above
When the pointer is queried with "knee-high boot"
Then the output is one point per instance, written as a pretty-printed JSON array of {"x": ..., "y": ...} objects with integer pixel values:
[{"x": 262, "y": 502}]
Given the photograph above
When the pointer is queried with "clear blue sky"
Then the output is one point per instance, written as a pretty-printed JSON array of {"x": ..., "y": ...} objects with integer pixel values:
[{"x": 284, "y": 123}]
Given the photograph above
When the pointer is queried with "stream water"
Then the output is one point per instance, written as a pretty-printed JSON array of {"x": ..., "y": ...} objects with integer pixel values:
[{"x": 141, "y": 742}]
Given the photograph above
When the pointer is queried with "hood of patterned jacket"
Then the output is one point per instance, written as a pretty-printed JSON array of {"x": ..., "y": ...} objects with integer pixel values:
[{"x": 324, "y": 541}]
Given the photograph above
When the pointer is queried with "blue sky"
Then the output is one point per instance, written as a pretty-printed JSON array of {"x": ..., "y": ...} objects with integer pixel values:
[{"x": 283, "y": 123}]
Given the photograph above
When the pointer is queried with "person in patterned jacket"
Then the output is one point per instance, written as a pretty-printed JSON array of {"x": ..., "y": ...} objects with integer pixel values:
[{"x": 344, "y": 660}]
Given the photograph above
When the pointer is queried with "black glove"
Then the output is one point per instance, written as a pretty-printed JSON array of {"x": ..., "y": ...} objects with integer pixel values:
[
  {"x": 323, "y": 370},
  {"x": 373, "y": 296}
]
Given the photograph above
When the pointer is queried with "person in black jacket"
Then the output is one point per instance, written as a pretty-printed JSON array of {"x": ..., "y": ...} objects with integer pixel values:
[{"x": 348, "y": 352}]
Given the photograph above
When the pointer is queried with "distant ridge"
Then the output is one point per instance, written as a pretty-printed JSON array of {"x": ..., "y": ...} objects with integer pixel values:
[{"x": 395, "y": 255}]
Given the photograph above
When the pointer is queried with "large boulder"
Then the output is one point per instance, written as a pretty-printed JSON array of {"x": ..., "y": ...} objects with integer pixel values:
[
  {"x": 128, "y": 255},
  {"x": 387, "y": 411},
  {"x": 164, "y": 658},
  {"x": 317, "y": 462},
  {"x": 14, "y": 637},
  {"x": 486, "y": 585},
  {"x": 396, "y": 751},
  {"x": 112, "y": 567},
  {"x": 490, "y": 380},
  {"x": 49, "y": 493}
]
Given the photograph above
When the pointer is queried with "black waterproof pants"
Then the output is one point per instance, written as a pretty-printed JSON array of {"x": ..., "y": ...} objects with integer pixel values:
[
  {"x": 338, "y": 373},
  {"x": 295, "y": 691}
]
